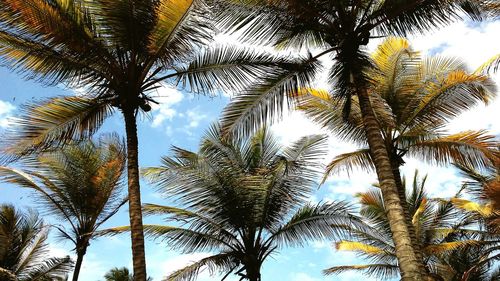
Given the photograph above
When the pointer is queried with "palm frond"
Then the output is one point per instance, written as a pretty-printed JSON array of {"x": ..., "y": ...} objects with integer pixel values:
[
  {"x": 449, "y": 246},
  {"x": 490, "y": 65},
  {"x": 383, "y": 271},
  {"x": 267, "y": 99},
  {"x": 315, "y": 222},
  {"x": 327, "y": 111},
  {"x": 485, "y": 210},
  {"x": 55, "y": 122},
  {"x": 229, "y": 68},
  {"x": 51, "y": 269},
  {"x": 357, "y": 247},
  {"x": 453, "y": 92},
  {"x": 348, "y": 162},
  {"x": 474, "y": 148},
  {"x": 224, "y": 262}
]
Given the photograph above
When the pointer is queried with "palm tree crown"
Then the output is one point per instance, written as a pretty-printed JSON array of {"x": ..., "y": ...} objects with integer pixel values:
[
  {"x": 24, "y": 248},
  {"x": 80, "y": 184},
  {"x": 454, "y": 247},
  {"x": 413, "y": 99},
  {"x": 243, "y": 199}
]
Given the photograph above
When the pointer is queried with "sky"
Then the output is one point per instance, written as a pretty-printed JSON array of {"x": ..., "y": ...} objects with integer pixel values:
[{"x": 181, "y": 120}]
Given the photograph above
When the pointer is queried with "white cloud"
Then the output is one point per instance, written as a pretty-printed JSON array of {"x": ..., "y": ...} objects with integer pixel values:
[
  {"x": 168, "y": 97},
  {"x": 194, "y": 117},
  {"x": 6, "y": 109}
]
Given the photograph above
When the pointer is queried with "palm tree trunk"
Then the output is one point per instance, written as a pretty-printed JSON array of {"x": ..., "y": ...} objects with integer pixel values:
[
  {"x": 253, "y": 273},
  {"x": 417, "y": 248},
  {"x": 134, "y": 194},
  {"x": 78, "y": 264},
  {"x": 409, "y": 264}
]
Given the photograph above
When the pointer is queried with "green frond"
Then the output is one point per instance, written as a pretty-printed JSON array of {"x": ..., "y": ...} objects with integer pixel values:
[
  {"x": 51, "y": 269},
  {"x": 55, "y": 122},
  {"x": 384, "y": 271},
  {"x": 224, "y": 262},
  {"x": 267, "y": 99},
  {"x": 230, "y": 68},
  {"x": 24, "y": 249},
  {"x": 348, "y": 162},
  {"x": 315, "y": 222},
  {"x": 327, "y": 111}
]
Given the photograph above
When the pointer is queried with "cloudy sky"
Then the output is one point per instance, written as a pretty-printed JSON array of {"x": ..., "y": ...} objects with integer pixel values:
[{"x": 182, "y": 118}]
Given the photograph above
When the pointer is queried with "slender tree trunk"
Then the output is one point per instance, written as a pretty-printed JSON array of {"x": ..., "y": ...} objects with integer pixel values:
[
  {"x": 78, "y": 264},
  {"x": 417, "y": 247},
  {"x": 134, "y": 194},
  {"x": 409, "y": 264}
]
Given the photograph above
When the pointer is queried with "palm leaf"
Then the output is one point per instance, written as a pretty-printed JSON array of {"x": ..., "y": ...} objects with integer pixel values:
[
  {"x": 267, "y": 99},
  {"x": 453, "y": 93},
  {"x": 55, "y": 122},
  {"x": 449, "y": 246},
  {"x": 490, "y": 65},
  {"x": 357, "y": 247},
  {"x": 474, "y": 148},
  {"x": 348, "y": 162},
  {"x": 375, "y": 270},
  {"x": 470, "y": 206},
  {"x": 315, "y": 222},
  {"x": 224, "y": 262},
  {"x": 229, "y": 68}
]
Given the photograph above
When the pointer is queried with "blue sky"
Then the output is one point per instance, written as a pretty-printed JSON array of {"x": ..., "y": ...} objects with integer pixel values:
[{"x": 182, "y": 119}]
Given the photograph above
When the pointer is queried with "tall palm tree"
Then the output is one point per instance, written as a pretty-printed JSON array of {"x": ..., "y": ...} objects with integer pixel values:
[
  {"x": 413, "y": 99},
  {"x": 340, "y": 29},
  {"x": 451, "y": 242},
  {"x": 81, "y": 184},
  {"x": 117, "y": 51},
  {"x": 120, "y": 274},
  {"x": 241, "y": 198},
  {"x": 24, "y": 249}
]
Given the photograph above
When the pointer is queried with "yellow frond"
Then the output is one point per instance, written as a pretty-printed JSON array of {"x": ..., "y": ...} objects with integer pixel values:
[
  {"x": 441, "y": 248},
  {"x": 420, "y": 210},
  {"x": 357, "y": 247},
  {"x": 388, "y": 48},
  {"x": 492, "y": 64},
  {"x": 470, "y": 206},
  {"x": 170, "y": 15}
]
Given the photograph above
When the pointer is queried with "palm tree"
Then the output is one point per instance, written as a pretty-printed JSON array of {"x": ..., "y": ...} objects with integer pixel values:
[
  {"x": 340, "y": 29},
  {"x": 24, "y": 248},
  {"x": 117, "y": 52},
  {"x": 120, "y": 274},
  {"x": 242, "y": 198},
  {"x": 81, "y": 184},
  {"x": 413, "y": 99},
  {"x": 451, "y": 243}
]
